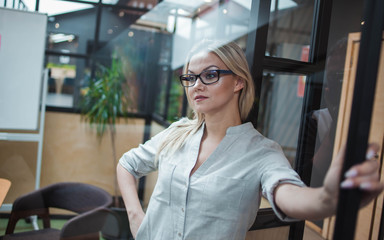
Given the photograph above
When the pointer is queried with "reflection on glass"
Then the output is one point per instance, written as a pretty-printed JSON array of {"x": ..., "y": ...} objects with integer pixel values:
[
  {"x": 152, "y": 45},
  {"x": 191, "y": 21},
  {"x": 62, "y": 42},
  {"x": 144, "y": 56},
  {"x": 24, "y": 5},
  {"x": 139, "y": 4},
  {"x": 170, "y": 96},
  {"x": 289, "y": 32},
  {"x": 55, "y": 7},
  {"x": 67, "y": 78},
  {"x": 61, "y": 83},
  {"x": 323, "y": 121},
  {"x": 114, "y": 22},
  {"x": 280, "y": 109},
  {"x": 71, "y": 28}
]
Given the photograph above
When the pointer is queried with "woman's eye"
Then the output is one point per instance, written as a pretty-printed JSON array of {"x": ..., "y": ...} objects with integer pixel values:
[
  {"x": 210, "y": 75},
  {"x": 188, "y": 78}
]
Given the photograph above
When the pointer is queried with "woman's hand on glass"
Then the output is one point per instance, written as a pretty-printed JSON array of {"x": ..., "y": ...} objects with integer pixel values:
[{"x": 364, "y": 176}]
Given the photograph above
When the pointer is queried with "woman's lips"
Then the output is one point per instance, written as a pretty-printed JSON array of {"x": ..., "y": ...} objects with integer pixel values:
[{"x": 200, "y": 98}]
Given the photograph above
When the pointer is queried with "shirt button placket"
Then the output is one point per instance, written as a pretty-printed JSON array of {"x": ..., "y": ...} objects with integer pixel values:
[{"x": 182, "y": 209}]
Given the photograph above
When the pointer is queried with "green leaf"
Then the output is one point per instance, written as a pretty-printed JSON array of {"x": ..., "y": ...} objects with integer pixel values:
[{"x": 106, "y": 98}]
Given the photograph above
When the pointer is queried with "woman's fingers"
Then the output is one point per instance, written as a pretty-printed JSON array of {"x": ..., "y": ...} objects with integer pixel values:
[
  {"x": 364, "y": 183},
  {"x": 374, "y": 147},
  {"x": 365, "y": 168},
  {"x": 364, "y": 175}
]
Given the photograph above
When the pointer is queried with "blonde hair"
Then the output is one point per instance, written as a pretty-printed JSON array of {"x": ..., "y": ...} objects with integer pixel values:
[{"x": 233, "y": 57}]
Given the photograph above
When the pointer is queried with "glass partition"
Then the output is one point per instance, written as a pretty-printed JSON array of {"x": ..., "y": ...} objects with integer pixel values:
[
  {"x": 290, "y": 28},
  {"x": 150, "y": 39},
  {"x": 67, "y": 80},
  {"x": 280, "y": 105},
  {"x": 64, "y": 8},
  {"x": 71, "y": 31},
  {"x": 152, "y": 44},
  {"x": 139, "y": 4}
]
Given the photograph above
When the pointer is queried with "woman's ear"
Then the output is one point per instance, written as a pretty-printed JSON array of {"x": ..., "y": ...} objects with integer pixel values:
[{"x": 239, "y": 84}]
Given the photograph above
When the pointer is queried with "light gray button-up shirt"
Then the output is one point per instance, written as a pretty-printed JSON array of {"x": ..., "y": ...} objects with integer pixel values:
[{"x": 221, "y": 199}]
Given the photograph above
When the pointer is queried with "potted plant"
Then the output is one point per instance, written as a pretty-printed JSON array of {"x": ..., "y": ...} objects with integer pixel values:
[{"x": 104, "y": 101}]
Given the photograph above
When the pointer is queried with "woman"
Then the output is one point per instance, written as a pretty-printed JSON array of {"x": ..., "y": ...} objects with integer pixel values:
[{"x": 213, "y": 169}]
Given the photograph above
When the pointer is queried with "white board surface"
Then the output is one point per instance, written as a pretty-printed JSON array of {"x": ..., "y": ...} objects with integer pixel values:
[{"x": 22, "y": 44}]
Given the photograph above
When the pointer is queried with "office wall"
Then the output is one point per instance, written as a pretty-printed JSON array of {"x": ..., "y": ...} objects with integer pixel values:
[{"x": 71, "y": 152}]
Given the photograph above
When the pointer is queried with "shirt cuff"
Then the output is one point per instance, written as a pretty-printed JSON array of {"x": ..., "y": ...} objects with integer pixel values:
[
  {"x": 128, "y": 167},
  {"x": 269, "y": 194}
]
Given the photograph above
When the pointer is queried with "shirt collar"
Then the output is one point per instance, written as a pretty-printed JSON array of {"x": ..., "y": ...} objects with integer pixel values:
[{"x": 239, "y": 129}]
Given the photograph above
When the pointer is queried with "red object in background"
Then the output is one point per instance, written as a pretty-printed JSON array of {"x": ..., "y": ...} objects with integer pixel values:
[{"x": 301, "y": 81}]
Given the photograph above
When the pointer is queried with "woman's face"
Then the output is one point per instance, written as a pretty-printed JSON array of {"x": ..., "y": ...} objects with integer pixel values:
[{"x": 219, "y": 97}]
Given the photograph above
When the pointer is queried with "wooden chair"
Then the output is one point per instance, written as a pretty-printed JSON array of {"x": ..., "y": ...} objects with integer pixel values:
[{"x": 88, "y": 201}]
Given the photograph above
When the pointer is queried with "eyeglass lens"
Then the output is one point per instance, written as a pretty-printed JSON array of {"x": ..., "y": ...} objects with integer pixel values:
[{"x": 207, "y": 77}]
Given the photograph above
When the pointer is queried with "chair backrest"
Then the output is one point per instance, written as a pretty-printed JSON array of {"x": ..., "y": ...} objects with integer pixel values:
[
  {"x": 76, "y": 197},
  {"x": 72, "y": 196}
]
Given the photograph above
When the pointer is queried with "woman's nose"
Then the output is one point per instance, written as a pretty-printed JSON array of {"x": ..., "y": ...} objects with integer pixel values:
[{"x": 198, "y": 83}]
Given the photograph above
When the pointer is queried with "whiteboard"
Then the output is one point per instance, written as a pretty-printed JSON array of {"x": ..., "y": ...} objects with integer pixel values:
[{"x": 22, "y": 44}]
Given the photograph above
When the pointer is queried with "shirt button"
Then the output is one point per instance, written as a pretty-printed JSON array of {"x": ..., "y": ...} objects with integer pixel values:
[
  {"x": 179, "y": 234},
  {"x": 182, "y": 209}
]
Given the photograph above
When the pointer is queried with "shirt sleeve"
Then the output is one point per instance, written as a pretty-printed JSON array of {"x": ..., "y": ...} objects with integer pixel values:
[
  {"x": 277, "y": 171},
  {"x": 141, "y": 160}
]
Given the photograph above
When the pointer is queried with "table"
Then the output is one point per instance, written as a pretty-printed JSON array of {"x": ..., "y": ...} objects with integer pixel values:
[{"x": 5, "y": 184}]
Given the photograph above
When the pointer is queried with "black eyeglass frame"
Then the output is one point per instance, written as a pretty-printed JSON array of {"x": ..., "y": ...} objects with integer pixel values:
[{"x": 219, "y": 71}]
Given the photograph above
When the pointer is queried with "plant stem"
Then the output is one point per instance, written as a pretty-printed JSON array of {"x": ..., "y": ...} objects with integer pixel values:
[{"x": 112, "y": 130}]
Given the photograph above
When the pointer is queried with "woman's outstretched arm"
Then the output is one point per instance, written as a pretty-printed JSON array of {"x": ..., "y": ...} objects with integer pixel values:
[{"x": 318, "y": 203}]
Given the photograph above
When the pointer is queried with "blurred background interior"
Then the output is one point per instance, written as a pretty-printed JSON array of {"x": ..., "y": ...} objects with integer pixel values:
[{"x": 301, "y": 54}]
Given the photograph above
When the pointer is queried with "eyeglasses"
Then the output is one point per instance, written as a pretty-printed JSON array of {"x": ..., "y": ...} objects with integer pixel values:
[{"x": 207, "y": 77}]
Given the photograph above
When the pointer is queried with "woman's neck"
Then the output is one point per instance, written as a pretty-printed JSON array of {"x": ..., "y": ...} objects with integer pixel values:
[{"x": 216, "y": 127}]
